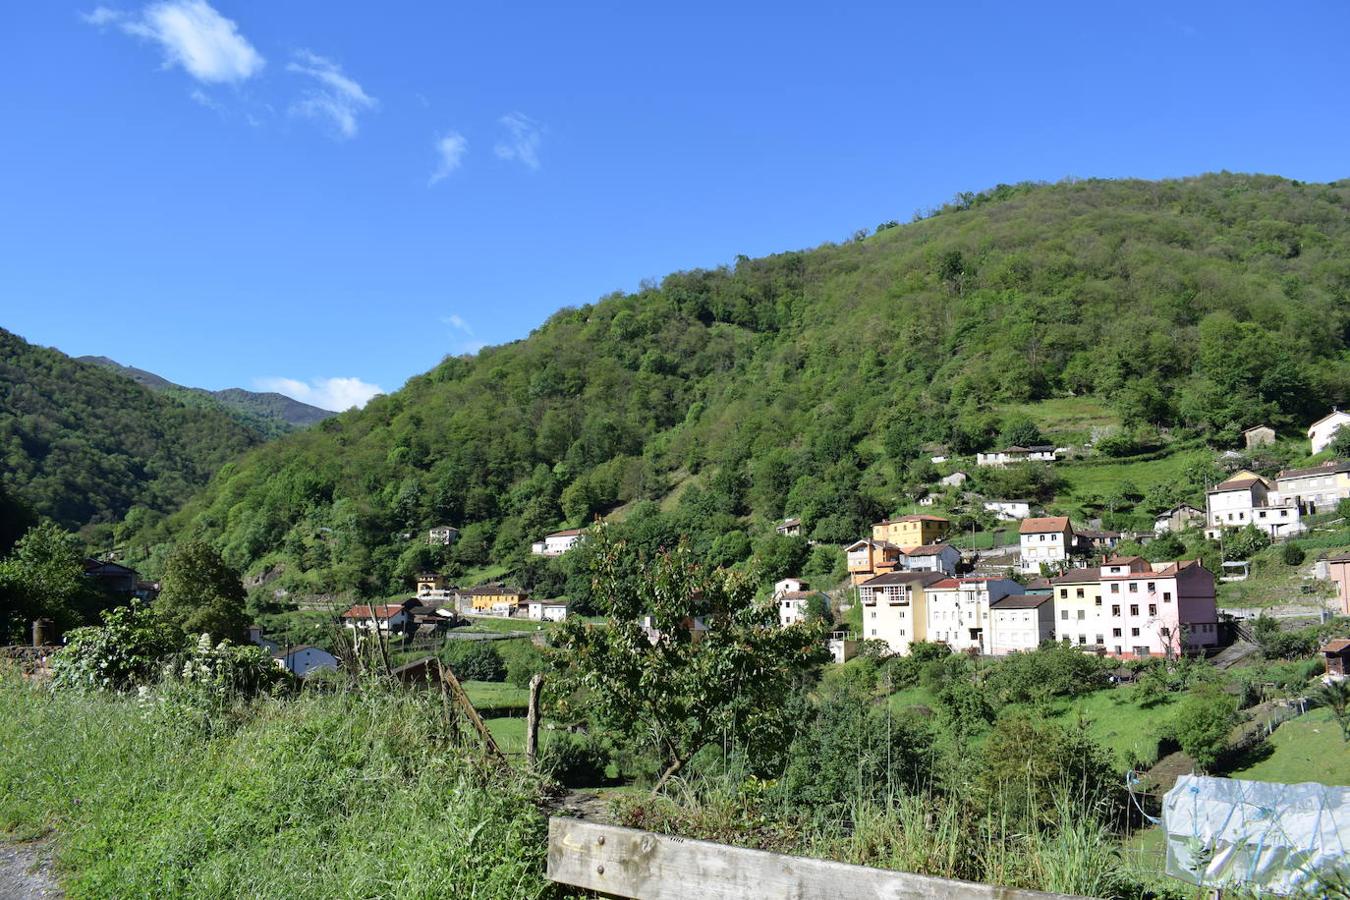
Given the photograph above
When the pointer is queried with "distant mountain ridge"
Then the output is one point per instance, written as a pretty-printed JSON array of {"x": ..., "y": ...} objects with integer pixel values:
[{"x": 270, "y": 414}]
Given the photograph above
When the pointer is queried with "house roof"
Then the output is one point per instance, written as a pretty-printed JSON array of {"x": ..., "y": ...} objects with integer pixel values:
[
  {"x": 1339, "y": 645},
  {"x": 927, "y": 550},
  {"x": 487, "y": 590},
  {"x": 922, "y": 579},
  {"x": 298, "y": 648},
  {"x": 1335, "y": 413},
  {"x": 570, "y": 532},
  {"x": 1339, "y": 558},
  {"x": 1331, "y": 467},
  {"x": 884, "y": 545},
  {"x": 1242, "y": 479},
  {"x": 950, "y": 583},
  {"x": 1176, "y": 509},
  {"x": 1257, "y": 428},
  {"x": 788, "y": 523},
  {"x": 913, "y": 518},
  {"x": 1044, "y": 525},
  {"x": 1038, "y": 448},
  {"x": 1096, "y": 534},
  {"x": 549, "y": 602},
  {"x": 1022, "y": 601},
  {"x": 798, "y": 595},
  {"x": 373, "y": 612},
  {"x": 92, "y": 565}
]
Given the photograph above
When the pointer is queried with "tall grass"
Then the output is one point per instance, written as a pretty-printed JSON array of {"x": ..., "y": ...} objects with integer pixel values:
[{"x": 359, "y": 794}]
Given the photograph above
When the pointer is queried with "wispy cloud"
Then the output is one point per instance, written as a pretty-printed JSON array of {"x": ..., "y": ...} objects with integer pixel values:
[
  {"x": 523, "y": 136},
  {"x": 465, "y": 340},
  {"x": 450, "y": 151},
  {"x": 337, "y": 394},
  {"x": 333, "y": 95},
  {"x": 191, "y": 34}
]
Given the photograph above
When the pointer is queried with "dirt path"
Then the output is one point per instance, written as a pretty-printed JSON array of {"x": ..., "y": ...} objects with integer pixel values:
[{"x": 26, "y": 871}]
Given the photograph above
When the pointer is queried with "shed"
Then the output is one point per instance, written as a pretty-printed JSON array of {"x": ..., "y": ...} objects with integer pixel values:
[{"x": 1337, "y": 654}]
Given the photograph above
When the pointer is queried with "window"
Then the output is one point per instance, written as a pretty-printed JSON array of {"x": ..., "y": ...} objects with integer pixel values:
[
  {"x": 1082, "y": 614},
  {"x": 1134, "y": 632},
  {"x": 1064, "y": 614},
  {"x": 1115, "y": 609},
  {"x": 1134, "y": 609},
  {"x": 1134, "y": 587},
  {"x": 1099, "y": 642},
  {"x": 1098, "y": 602},
  {"x": 1079, "y": 592},
  {"x": 874, "y": 632},
  {"x": 1153, "y": 609},
  {"x": 1152, "y": 587},
  {"x": 1115, "y": 589},
  {"x": 1082, "y": 640},
  {"x": 1115, "y": 632},
  {"x": 1064, "y": 593},
  {"x": 1167, "y": 596},
  {"x": 874, "y": 615}
]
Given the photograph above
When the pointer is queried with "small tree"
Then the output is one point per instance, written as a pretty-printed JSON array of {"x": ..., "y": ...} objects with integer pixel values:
[
  {"x": 202, "y": 594},
  {"x": 1335, "y": 696},
  {"x": 44, "y": 578},
  {"x": 679, "y": 688},
  {"x": 1202, "y": 723},
  {"x": 1244, "y": 543}
]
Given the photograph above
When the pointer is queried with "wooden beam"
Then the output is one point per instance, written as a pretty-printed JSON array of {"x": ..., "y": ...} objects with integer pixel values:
[
  {"x": 532, "y": 720},
  {"x": 625, "y": 862},
  {"x": 462, "y": 699}
]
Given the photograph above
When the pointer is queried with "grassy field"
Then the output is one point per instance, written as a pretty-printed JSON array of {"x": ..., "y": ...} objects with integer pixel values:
[
  {"x": 1122, "y": 721},
  {"x": 1083, "y": 479},
  {"x": 1308, "y": 748},
  {"x": 323, "y": 795},
  {"x": 496, "y": 694},
  {"x": 1068, "y": 419},
  {"x": 501, "y": 624}
]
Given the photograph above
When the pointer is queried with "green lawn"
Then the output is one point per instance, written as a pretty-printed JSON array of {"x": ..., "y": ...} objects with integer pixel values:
[
  {"x": 1103, "y": 479},
  {"x": 509, "y": 733},
  {"x": 501, "y": 624},
  {"x": 1308, "y": 748},
  {"x": 496, "y": 694},
  {"x": 1068, "y": 418},
  {"x": 1118, "y": 720}
]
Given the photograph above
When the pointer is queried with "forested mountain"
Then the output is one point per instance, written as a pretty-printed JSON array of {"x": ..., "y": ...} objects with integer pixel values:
[
  {"x": 806, "y": 382},
  {"x": 86, "y": 445},
  {"x": 270, "y": 414}
]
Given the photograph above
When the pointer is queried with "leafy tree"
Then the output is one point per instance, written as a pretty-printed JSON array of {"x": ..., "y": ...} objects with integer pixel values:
[
  {"x": 1203, "y": 720},
  {"x": 1244, "y": 543},
  {"x": 1020, "y": 431},
  {"x": 127, "y": 650},
  {"x": 1340, "y": 442},
  {"x": 1335, "y": 696},
  {"x": 202, "y": 594},
  {"x": 44, "y": 578},
  {"x": 1166, "y": 546},
  {"x": 679, "y": 692}
]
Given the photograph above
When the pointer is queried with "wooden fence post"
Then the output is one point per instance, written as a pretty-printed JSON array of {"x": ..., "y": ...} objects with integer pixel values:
[{"x": 532, "y": 720}]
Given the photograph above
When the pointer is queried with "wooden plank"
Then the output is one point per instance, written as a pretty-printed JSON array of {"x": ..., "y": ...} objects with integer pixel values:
[
  {"x": 532, "y": 721},
  {"x": 462, "y": 698},
  {"x": 625, "y": 862}
]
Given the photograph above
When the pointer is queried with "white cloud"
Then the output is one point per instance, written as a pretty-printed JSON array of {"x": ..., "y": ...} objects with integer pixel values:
[
  {"x": 334, "y": 96},
  {"x": 522, "y": 141},
  {"x": 326, "y": 393},
  {"x": 451, "y": 150},
  {"x": 193, "y": 35},
  {"x": 465, "y": 340}
]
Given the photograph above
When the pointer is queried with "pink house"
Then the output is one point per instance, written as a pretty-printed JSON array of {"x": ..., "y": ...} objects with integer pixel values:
[
  {"x": 1338, "y": 568},
  {"x": 1133, "y": 608}
]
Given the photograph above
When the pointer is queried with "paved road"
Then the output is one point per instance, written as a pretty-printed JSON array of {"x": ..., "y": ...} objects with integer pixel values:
[{"x": 26, "y": 872}]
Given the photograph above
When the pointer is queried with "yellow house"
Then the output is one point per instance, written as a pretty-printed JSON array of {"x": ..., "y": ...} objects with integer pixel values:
[
  {"x": 494, "y": 598},
  {"x": 911, "y": 531},
  {"x": 869, "y": 558},
  {"x": 895, "y": 608}
]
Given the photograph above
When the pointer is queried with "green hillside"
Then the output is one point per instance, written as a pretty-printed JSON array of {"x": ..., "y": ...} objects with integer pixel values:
[
  {"x": 816, "y": 383},
  {"x": 269, "y": 414},
  {"x": 86, "y": 446}
]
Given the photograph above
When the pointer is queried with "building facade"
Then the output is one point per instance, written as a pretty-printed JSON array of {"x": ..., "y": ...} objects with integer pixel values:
[
  {"x": 869, "y": 558},
  {"x": 957, "y": 611},
  {"x": 911, "y": 531},
  {"x": 1322, "y": 432},
  {"x": 1021, "y": 622},
  {"x": 893, "y": 608},
  {"x": 1008, "y": 510},
  {"x": 1010, "y": 455},
  {"x": 1316, "y": 489},
  {"x": 1248, "y": 499},
  {"x": 558, "y": 543},
  {"x": 1047, "y": 540}
]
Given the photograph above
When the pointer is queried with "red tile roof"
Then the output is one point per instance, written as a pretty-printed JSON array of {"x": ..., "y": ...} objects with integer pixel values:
[
  {"x": 373, "y": 612},
  {"x": 1044, "y": 525}
]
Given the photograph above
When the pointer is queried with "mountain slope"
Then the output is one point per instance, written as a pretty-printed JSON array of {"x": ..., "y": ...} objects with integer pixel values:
[
  {"x": 806, "y": 382},
  {"x": 270, "y": 414},
  {"x": 85, "y": 445}
]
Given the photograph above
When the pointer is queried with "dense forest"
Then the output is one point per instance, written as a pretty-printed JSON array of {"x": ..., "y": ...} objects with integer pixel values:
[
  {"x": 87, "y": 446},
  {"x": 810, "y": 383},
  {"x": 268, "y": 413}
]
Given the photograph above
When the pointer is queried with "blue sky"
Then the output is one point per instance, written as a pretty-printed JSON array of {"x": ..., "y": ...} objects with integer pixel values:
[{"x": 330, "y": 197}]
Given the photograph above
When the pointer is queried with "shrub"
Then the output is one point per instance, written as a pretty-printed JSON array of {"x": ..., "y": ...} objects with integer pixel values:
[
  {"x": 1292, "y": 554},
  {"x": 575, "y": 762},
  {"x": 127, "y": 650},
  {"x": 1244, "y": 543},
  {"x": 475, "y": 661},
  {"x": 523, "y": 661},
  {"x": 1202, "y": 723}
]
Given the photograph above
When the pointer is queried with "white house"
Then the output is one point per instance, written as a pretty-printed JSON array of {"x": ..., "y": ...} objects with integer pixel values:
[
  {"x": 789, "y": 527},
  {"x": 1245, "y": 499},
  {"x": 956, "y": 479},
  {"x": 558, "y": 543},
  {"x": 255, "y": 635},
  {"x": 443, "y": 534},
  {"x": 547, "y": 610},
  {"x": 928, "y": 499},
  {"x": 391, "y": 617},
  {"x": 1000, "y": 458},
  {"x": 794, "y": 605},
  {"x": 786, "y": 585},
  {"x": 1046, "y": 540},
  {"x": 1322, "y": 432},
  {"x": 305, "y": 658},
  {"x": 1009, "y": 510},
  {"x": 957, "y": 610},
  {"x": 1021, "y": 622},
  {"x": 893, "y": 608},
  {"x": 932, "y": 558}
]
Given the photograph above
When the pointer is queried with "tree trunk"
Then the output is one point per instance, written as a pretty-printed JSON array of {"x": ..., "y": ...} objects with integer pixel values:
[{"x": 670, "y": 772}]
